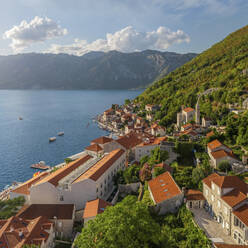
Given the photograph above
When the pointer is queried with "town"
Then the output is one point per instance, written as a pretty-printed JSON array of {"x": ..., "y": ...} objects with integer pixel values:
[{"x": 188, "y": 165}]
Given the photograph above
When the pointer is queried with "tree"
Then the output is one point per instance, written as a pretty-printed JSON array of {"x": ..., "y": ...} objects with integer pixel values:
[
  {"x": 224, "y": 166},
  {"x": 128, "y": 224},
  {"x": 127, "y": 101},
  {"x": 158, "y": 171}
]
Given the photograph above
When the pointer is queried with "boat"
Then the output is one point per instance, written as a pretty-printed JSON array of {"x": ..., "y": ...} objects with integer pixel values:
[
  {"x": 52, "y": 139},
  {"x": 61, "y": 133},
  {"x": 20, "y": 118},
  {"x": 41, "y": 166}
]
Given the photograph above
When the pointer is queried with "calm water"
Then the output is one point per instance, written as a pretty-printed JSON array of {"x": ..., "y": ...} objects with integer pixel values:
[{"x": 45, "y": 113}]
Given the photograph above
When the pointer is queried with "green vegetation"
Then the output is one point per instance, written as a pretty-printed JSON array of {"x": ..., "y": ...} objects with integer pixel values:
[
  {"x": 224, "y": 166},
  {"x": 68, "y": 160},
  {"x": 158, "y": 171},
  {"x": 220, "y": 67},
  {"x": 10, "y": 207},
  {"x": 131, "y": 223}
]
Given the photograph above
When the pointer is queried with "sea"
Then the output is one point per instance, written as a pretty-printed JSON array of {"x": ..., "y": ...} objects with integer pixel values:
[{"x": 45, "y": 113}]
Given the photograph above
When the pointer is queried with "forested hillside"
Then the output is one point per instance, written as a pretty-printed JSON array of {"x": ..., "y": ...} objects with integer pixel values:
[{"x": 224, "y": 66}]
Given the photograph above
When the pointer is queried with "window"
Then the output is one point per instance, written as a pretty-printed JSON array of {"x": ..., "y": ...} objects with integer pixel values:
[
  {"x": 190, "y": 204},
  {"x": 96, "y": 190},
  {"x": 101, "y": 185},
  {"x": 61, "y": 198}
]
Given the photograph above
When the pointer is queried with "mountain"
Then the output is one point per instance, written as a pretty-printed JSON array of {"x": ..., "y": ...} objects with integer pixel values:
[
  {"x": 95, "y": 70},
  {"x": 223, "y": 66}
]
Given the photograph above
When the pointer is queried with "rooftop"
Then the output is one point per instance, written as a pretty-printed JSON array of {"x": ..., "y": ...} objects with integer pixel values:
[
  {"x": 163, "y": 187},
  {"x": 153, "y": 141},
  {"x": 222, "y": 245},
  {"x": 194, "y": 195},
  {"x": 95, "y": 207},
  {"x": 187, "y": 110},
  {"x": 129, "y": 141},
  {"x": 242, "y": 213},
  {"x": 101, "y": 166},
  {"x": 101, "y": 140},
  {"x": 64, "y": 171},
  {"x": 94, "y": 148},
  {"x": 214, "y": 144},
  {"x": 222, "y": 154}
]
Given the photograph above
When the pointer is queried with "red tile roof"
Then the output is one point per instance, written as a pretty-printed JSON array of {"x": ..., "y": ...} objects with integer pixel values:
[
  {"x": 94, "y": 148},
  {"x": 101, "y": 140},
  {"x": 209, "y": 179},
  {"x": 95, "y": 207},
  {"x": 242, "y": 214},
  {"x": 194, "y": 195},
  {"x": 234, "y": 197},
  {"x": 163, "y": 187},
  {"x": 210, "y": 134},
  {"x": 24, "y": 188},
  {"x": 153, "y": 141},
  {"x": 188, "y": 110},
  {"x": 101, "y": 166},
  {"x": 129, "y": 141},
  {"x": 62, "y": 172}
]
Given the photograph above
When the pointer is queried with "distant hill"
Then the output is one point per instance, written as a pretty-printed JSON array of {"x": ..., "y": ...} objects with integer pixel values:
[
  {"x": 95, "y": 70},
  {"x": 223, "y": 66}
]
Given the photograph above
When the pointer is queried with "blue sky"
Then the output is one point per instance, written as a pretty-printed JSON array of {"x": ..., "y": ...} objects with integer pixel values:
[{"x": 79, "y": 26}]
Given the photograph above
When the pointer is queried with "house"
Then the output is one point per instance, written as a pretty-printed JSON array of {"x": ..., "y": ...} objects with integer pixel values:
[
  {"x": 157, "y": 130},
  {"x": 226, "y": 200},
  {"x": 219, "y": 152},
  {"x": 107, "y": 114},
  {"x": 80, "y": 181},
  {"x": 151, "y": 107},
  {"x": 206, "y": 122},
  {"x": 210, "y": 134},
  {"x": 145, "y": 148},
  {"x": 165, "y": 193},
  {"x": 16, "y": 232},
  {"x": 24, "y": 188},
  {"x": 149, "y": 116},
  {"x": 186, "y": 115},
  {"x": 117, "y": 123},
  {"x": 93, "y": 208},
  {"x": 61, "y": 215},
  {"x": 94, "y": 150},
  {"x": 194, "y": 199},
  {"x": 106, "y": 143}
]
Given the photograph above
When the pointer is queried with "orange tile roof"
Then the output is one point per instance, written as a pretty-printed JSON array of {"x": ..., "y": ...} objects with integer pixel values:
[
  {"x": 56, "y": 176},
  {"x": 210, "y": 134},
  {"x": 188, "y": 110},
  {"x": 61, "y": 211},
  {"x": 222, "y": 154},
  {"x": 234, "y": 197},
  {"x": 209, "y": 179},
  {"x": 163, "y": 187},
  {"x": 194, "y": 195},
  {"x": 214, "y": 144},
  {"x": 95, "y": 207},
  {"x": 101, "y": 140},
  {"x": 242, "y": 214},
  {"x": 101, "y": 166},
  {"x": 222, "y": 245},
  {"x": 94, "y": 148},
  {"x": 187, "y": 125},
  {"x": 129, "y": 141},
  {"x": 24, "y": 188}
]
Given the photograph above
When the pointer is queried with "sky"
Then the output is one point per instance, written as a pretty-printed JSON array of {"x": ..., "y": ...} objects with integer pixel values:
[{"x": 79, "y": 26}]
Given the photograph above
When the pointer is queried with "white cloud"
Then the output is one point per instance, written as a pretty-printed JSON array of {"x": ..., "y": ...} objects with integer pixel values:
[
  {"x": 37, "y": 30},
  {"x": 125, "y": 40}
]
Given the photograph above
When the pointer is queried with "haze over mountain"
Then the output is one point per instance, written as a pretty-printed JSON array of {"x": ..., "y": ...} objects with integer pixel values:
[{"x": 95, "y": 70}]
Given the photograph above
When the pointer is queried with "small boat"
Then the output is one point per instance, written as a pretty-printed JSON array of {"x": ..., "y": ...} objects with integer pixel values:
[
  {"x": 41, "y": 166},
  {"x": 20, "y": 118},
  {"x": 61, "y": 133},
  {"x": 52, "y": 139}
]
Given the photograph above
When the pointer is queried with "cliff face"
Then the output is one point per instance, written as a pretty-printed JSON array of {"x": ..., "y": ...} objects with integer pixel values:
[{"x": 95, "y": 70}]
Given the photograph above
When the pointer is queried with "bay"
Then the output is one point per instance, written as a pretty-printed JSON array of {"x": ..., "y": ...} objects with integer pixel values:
[{"x": 45, "y": 113}]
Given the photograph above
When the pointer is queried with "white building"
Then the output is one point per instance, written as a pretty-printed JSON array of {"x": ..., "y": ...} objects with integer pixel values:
[
  {"x": 145, "y": 148},
  {"x": 80, "y": 181}
]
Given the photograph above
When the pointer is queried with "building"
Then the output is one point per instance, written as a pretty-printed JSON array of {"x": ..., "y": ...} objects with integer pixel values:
[
  {"x": 145, "y": 148},
  {"x": 194, "y": 199},
  {"x": 106, "y": 143},
  {"x": 61, "y": 215},
  {"x": 151, "y": 107},
  {"x": 219, "y": 152},
  {"x": 157, "y": 130},
  {"x": 93, "y": 208},
  {"x": 165, "y": 193},
  {"x": 245, "y": 104},
  {"x": 80, "y": 181},
  {"x": 16, "y": 232},
  {"x": 94, "y": 150},
  {"x": 149, "y": 116},
  {"x": 223, "y": 245},
  {"x": 185, "y": 116},
  {"x": 24, "y": 188},
  {"x": 206, "y": 122},
  {"x": 226, "y": 200}
]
